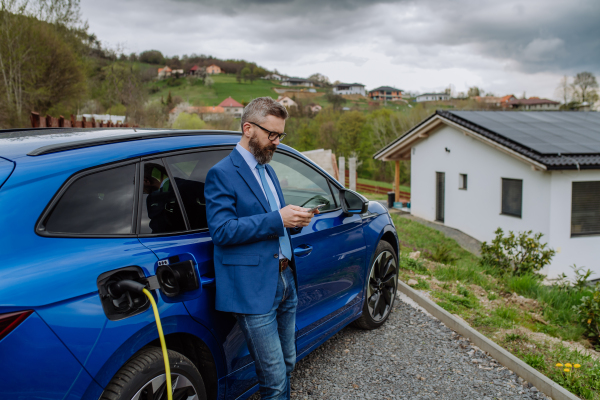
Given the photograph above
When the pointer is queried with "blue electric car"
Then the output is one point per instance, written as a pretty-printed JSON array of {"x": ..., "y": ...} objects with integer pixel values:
[{"x": 82, "y": 210}]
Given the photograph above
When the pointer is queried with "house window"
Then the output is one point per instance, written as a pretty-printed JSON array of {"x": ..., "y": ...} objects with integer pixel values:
[
  {"x": 512, "y": 197},
  {"x": 462, "y": 181},
  {"x": 585, "y": 208}
]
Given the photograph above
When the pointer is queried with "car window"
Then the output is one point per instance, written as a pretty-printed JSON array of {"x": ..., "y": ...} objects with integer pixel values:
[
  {"x": 160, "y": 212},
  {"x": 98, "y": 203},
  {"x": 189, "y": 172},
  {"x": 301, "y": 184}
]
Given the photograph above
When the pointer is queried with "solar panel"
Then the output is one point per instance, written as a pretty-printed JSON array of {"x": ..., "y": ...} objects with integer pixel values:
[{"x": 546, "y": 132}]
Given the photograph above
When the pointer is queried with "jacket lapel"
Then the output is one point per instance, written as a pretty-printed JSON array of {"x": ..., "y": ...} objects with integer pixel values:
[{"x": 244, "y": 170}]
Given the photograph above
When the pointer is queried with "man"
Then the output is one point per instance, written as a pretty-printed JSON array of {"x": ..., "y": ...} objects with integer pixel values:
[{"x": 253, "y": 255}]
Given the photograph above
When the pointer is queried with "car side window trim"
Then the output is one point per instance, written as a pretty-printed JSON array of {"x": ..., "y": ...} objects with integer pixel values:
[{"x": 39, "y": 227}]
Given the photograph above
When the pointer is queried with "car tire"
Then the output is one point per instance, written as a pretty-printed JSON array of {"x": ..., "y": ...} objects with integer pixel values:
[
  {"x": 380, "y": 292},
  {"x": 146, "y": 372}
]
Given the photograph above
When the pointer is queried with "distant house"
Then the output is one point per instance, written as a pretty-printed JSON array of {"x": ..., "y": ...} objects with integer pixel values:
[
  {"x": 497, "y": 101},
  {"x": 349, "y": 88},
  {"x": 432, "y": 97},
  {"x": 211, "y": 113},
  {"x": 533, "y": 104},
  {"x": 164, "y": 72},
  {"x": 195, "y": 70},
  {"x": 232, "y": 107},
  {"x": 315, "y": 108},
  {"x": 213, "y": 69},
  {"x": 274, "y": 77},
  {"x": 479, "y": 170},
  {"x": 296, "y": 82},
  {"x": 286, "y": 102},
  {"x": 387, "y": 93}
]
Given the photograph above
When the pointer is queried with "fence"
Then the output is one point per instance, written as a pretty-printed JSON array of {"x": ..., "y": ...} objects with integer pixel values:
[
  {"x": 37, "y": 121},
  {"x": 361, "y": 187}
]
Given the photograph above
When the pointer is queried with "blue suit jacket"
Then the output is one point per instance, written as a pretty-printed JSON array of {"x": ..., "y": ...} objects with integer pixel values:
[{"x": 246, "y": 236}]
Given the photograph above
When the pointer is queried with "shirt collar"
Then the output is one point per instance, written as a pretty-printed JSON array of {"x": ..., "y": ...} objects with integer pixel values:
[{"x": 249, "y": 157}]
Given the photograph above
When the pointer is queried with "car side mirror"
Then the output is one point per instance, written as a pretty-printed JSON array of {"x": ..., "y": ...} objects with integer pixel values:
[{"x": 353, "y": 203}]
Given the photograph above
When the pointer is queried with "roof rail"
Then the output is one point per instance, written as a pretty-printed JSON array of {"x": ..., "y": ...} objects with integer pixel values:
[{"x": 79, "y": 144}]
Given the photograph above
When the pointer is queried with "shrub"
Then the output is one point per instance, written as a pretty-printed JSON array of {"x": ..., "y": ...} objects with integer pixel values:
[
  {"x": 442, "y": 253},
  {"x": 516, "y": 254},
  {"x": 188, "y": 121},
  {"x": 588, "y": 315}
]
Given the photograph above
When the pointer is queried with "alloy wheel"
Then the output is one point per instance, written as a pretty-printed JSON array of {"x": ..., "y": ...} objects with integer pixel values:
[
  {"x": 383, "y": 282},
  {"x": 156, "y": 389}
]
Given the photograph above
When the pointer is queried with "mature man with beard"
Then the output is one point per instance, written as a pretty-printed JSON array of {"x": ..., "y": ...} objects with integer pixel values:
[{"x": 249, "y": 222}]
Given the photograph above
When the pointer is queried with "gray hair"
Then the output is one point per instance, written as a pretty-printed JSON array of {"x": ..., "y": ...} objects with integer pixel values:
[{"x": 258, "y": 109}]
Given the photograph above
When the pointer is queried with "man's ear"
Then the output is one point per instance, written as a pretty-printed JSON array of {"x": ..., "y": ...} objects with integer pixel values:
[{"x": 246, "y": 129}]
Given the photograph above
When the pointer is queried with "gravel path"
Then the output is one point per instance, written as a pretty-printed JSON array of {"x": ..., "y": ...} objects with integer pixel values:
[{"x": 413, "y": 356}]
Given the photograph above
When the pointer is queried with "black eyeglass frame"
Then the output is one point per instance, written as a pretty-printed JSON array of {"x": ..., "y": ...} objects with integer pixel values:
[{"x": 275, "y": 134}]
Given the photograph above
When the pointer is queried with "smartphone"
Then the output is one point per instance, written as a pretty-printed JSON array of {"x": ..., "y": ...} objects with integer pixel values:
[{"x": 312, "y": 210}]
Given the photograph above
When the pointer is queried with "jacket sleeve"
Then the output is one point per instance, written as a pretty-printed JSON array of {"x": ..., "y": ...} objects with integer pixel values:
[{"x": 223, "y": 223}]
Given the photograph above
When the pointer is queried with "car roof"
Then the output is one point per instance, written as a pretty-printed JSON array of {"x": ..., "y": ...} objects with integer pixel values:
[{"x": 16, "y": 143}]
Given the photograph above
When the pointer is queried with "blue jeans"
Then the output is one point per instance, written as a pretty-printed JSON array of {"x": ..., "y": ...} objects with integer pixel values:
[{"x": 271, "y": 340}]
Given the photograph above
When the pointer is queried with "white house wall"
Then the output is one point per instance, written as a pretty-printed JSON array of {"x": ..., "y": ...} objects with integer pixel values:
[
  {"x": 584, "y": 251},
  {"x": 477, "y": 210}
]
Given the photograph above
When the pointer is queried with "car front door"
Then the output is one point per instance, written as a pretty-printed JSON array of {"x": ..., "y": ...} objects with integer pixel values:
[{"x": 329, "y": 254}]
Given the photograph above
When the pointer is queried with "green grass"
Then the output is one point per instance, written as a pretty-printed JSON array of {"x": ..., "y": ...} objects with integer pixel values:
[{"x": 374, "y": 196}]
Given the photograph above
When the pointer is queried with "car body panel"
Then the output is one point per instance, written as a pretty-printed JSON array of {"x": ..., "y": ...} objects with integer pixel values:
[
  {"x": 6, "y": 168},
  {"x": 33, "y": 347}
]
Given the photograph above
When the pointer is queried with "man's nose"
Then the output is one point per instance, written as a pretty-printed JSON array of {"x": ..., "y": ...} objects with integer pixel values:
[{"x": 276, "y": 141}]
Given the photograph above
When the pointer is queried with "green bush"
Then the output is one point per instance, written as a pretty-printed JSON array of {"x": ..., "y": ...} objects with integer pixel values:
[
  {"x": 442, "y": 253},
  {"x": 588, "y": 315},
  {"x": 516, "y": 254},
  {"x": 188, "y": 121}
]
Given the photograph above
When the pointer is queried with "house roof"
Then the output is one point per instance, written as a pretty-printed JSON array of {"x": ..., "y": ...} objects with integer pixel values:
[
  {"x": 296, "y": 80},
  {"x": 554, "y": 140},
  {"x": 349, "y": 84},
  {"x": 195, "y": 68},
  {"x": 213, "y": 65},
  {"x": 385, "y": 88},
  {"x": 532, "y": 101},
  {"x": 166, "y": 69},
  {"x": 229, "y": 102},
  {"x": 433, "y": 94}
]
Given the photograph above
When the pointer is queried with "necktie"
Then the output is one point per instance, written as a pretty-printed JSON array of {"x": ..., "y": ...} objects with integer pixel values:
[{"x": 284, "y": 241}]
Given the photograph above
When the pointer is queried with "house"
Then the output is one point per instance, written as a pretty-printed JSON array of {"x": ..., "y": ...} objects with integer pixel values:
[
  {"x": 211, "y": 113},
  {"x": 213, "y": 69},
  {"x": 496, "y": 101},
  {"x": 349, "y": 88},
  {"x": 195, "y": 70},
  {"x": 534, "y": 104},
  {"x": 479, "y": 170},
  {"x": 387, "y": 93},
  {"x": 296, "y": 82},
  {"x": 286, "y": 102},
  {"x": 164, "y": 72},
  {"x": 432, "y": 97},
  {"x": 274, "y": 77},
  {"x": 314, "y": 108},
  {"x": 232, "y": 107}
]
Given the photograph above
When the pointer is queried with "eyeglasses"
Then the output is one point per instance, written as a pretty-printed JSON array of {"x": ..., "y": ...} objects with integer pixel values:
[{"x": 272, "y": 135}]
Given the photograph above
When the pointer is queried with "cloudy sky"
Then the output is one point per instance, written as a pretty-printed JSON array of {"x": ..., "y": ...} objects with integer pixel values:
[{"x": 505, "y": 47}]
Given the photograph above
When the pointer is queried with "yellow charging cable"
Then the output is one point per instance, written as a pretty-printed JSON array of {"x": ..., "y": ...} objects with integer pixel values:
[{"x": 162, "y": 344}]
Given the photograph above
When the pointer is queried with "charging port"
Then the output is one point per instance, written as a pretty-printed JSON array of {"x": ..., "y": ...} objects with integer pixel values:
[
  {"x": 177, "y": 278},
  {"x": 117, "y": 301}
]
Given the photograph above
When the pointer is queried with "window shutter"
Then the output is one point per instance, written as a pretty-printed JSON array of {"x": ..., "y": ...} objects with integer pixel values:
[
  {"x": 512, "y": 197},
  {"x": 585, "y": 208}
]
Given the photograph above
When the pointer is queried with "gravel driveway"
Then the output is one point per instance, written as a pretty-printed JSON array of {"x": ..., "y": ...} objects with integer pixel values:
[{"x": 413, "y": 356}]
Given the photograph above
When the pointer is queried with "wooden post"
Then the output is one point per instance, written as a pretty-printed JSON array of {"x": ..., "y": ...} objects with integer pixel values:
[
  {"x": 35, "y": 120},
  {"x": 397, "y": 180}
]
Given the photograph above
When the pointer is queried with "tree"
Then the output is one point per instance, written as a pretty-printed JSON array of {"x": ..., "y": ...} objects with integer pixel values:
[
  {"x": 245, "y": 73},
  {"x": 584, "y": 87},
  {"x": 36, "y": 54},
  {"x": 152, "y": 57},
  {"x": 209, "y": 82},
  {"x": 564, "y": 90},
  {"x": 188, "y": 121},
  {"x": 336, "y": 100},
  {"x": 474, "y": 91},
  {"x": 169, "y": 99},
  {"x": 319, "y": 79}
]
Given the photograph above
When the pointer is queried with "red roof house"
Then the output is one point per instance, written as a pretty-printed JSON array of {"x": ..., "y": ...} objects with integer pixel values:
[{"x": 232, "y": 107}]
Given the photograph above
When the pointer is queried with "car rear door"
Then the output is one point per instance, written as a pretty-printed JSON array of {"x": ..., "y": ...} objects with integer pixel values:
[{"x": 172, "y": 223}]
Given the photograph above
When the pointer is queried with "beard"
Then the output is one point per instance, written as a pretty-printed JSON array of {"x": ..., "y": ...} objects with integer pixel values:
[{"x": 262, "y": 154}]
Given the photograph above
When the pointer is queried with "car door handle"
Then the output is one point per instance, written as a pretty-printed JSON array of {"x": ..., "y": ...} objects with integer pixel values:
[{"x": 302, "y": 250}]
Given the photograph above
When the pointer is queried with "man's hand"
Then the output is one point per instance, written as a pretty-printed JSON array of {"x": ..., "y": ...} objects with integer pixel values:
[{"x": 294, "y": 216}]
